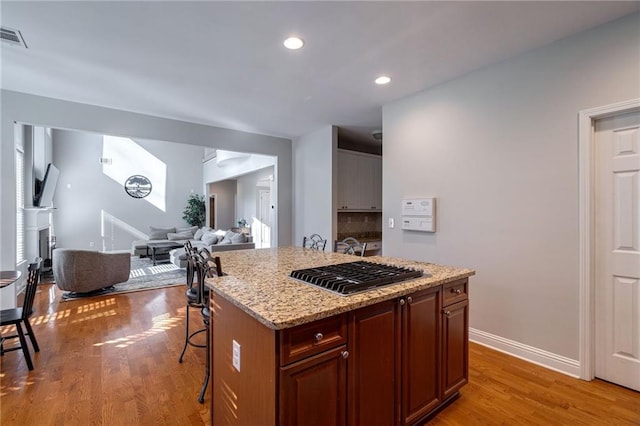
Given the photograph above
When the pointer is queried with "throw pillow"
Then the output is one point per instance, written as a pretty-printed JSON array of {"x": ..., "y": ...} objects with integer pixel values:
[
  {"x": 185, "y": 235},
  {"x": 198, "y": 235},
  {"x": 238, "y": 238},
  {"x": 209, "y": 238},
  {"x": 191, "y": 229},
  {"x": 159, "y": 233},
  {"x": 231, "y": 237}
]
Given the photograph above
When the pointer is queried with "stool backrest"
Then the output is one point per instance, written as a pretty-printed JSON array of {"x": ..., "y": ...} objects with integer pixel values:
[
  {"x": 350, "y": 246},
  {"x": 315, "y": 242}
]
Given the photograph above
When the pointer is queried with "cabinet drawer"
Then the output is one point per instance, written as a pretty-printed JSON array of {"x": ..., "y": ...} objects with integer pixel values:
[
  {"x": 455, "y": 292},
  {"x": 308, "y": 339}
]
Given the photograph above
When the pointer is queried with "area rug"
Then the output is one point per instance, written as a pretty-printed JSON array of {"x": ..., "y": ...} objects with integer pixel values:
[{"x": 143, "y": 276}]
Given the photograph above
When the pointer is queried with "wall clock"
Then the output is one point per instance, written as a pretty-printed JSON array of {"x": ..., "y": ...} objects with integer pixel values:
[{"x": 138, "y": 186}]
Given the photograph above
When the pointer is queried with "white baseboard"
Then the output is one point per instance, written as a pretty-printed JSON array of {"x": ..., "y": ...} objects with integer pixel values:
[{"x": 559, "y": 363}]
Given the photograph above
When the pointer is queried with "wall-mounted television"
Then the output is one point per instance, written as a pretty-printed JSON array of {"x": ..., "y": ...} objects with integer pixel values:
[{"x": 45, "y": 188}]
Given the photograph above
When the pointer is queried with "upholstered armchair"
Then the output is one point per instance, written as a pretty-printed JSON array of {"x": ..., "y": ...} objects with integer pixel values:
[{"x": 82, "y": 271}]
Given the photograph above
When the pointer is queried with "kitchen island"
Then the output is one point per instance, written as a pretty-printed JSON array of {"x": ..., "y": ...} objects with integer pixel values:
[{"x": 285, "y": 352}]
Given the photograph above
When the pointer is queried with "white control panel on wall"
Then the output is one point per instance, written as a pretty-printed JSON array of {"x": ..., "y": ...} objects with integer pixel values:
[{"x": 419, "y": 214}]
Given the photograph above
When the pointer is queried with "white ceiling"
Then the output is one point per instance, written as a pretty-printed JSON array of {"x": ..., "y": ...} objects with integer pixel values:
[{"x": 223, "y": 63}]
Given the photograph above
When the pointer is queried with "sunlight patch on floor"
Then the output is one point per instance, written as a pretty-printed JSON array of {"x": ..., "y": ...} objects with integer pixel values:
[
  {"x": 153, "y": 270},
  {"x": 161, "y": 323}
]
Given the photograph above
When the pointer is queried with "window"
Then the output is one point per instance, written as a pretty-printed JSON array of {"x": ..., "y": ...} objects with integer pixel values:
[{"x": 20, "y": 255}]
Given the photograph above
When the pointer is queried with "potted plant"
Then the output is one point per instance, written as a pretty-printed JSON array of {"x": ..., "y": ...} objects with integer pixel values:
[{"x": 194, "y": 212}]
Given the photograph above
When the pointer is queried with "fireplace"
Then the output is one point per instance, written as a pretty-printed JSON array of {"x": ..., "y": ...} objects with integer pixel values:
[{"x": 39, "y": 239}]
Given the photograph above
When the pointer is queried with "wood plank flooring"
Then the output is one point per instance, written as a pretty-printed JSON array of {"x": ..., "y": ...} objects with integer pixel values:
[{"x": 113, "y": 360}]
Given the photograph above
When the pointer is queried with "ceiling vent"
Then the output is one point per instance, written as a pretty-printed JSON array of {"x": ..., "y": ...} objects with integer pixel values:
[{"x": 12, "y": 36}]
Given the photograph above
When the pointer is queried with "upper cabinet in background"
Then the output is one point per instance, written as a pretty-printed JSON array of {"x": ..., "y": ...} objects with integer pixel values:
[{"x": 359, "y": 181}]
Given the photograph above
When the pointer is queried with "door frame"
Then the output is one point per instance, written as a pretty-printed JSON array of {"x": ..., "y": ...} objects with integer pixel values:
[
  {"x": 587, "y": 187},
  {"x": 259, "y": 191}
]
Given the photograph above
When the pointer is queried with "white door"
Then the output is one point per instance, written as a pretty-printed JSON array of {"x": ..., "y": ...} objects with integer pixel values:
[
  {"x": 264, "y": 218},
  {"x": 617, "y": 250}
]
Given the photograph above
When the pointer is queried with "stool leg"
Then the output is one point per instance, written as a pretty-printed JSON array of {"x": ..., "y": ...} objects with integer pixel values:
[
  {"x": 207, "y": 368},
  {"x": 186, "y": 335}
]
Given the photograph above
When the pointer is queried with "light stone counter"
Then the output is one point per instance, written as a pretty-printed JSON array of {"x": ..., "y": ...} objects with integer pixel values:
[{"x": 258, "y": 282}]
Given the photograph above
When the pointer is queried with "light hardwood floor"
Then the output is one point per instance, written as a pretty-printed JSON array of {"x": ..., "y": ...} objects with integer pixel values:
[{"x": 113, "y": 360}]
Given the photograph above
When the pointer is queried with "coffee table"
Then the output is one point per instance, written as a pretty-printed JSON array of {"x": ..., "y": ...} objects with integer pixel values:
[{"x": 162, "y": 248}]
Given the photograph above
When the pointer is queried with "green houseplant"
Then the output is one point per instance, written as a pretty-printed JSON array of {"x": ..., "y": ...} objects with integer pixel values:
[{"x": 194, "y": 212}]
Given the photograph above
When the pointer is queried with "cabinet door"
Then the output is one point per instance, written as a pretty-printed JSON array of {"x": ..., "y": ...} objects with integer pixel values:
[
  {"x": 313, "y": 391},
  {"x": 421, "y": 354},
  {"x": 376, "y": 184},
  {"x": 455, "y": 347},
  {"x": 348, "y": 180},
  {"x": 373, "y": 365},
  {"x": 359, "y": 181}
]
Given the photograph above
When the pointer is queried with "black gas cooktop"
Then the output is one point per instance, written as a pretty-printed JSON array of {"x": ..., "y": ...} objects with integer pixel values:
[{"x": 354, "y": 277}]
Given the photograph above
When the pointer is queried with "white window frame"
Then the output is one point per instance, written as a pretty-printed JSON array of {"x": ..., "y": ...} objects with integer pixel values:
[{"x": 20, "y": 216}]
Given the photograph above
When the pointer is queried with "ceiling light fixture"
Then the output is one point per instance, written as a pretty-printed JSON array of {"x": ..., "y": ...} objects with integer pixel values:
[
  {"x": 293, "y": 43},
  {"x": 383, "y": 79}
]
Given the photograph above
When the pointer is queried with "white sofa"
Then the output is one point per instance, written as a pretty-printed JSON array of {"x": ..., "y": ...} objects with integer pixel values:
[{"x": 214, "y": 240}]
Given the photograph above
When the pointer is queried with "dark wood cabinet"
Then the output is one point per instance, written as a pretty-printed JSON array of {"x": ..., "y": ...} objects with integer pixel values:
[
  {"x": 374, "y": 336},
  {"x": 421, "y": 390},
  {"x": 393, "y": 363},
  {"x": 455, "y": 337},
  {"x": 455, "y": 347},
  {"x": 313, "y": 391},
  {"x": 395, "y": 359}
]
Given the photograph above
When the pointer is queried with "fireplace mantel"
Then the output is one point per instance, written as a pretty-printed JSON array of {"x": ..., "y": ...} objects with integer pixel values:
[{"x": 37, "y": 220}]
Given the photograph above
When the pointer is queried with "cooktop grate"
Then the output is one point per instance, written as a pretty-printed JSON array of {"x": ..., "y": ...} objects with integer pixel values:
[{"x": 355, "y": 277}]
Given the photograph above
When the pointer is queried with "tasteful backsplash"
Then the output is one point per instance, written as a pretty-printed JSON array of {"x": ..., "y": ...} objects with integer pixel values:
[{"x": 359, "y": 225}]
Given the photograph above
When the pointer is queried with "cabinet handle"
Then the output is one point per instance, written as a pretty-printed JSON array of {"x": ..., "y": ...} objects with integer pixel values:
[
  {"x": 345, "y": 354},
  {"x": 402, "y": 302},
  {"x": 456, "y": 291},
  {"x": 448, "y": 314},
  {"x": 409, "y": 299},
  {"x": 318, "y": 336}
]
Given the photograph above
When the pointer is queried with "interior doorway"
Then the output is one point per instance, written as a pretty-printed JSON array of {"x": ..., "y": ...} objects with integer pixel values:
[
  {"x": 263, "y": 209},
  {"x": 617, "y": 249},
  {"x": 609, "y": 147},
  {"x": 212, "y": 211}
]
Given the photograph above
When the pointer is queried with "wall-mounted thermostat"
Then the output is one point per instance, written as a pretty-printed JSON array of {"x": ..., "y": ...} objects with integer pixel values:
[{"x": 419, "y": 214}]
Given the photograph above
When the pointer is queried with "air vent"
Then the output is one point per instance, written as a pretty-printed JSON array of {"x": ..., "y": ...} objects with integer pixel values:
[{"x": 12, "y": 36}]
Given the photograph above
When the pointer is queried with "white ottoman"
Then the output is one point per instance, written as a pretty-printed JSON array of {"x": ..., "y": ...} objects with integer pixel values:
[{"x": 178, "y": 257}]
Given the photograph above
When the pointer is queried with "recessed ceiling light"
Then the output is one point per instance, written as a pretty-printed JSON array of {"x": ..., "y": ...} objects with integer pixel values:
[
  {"x": 293, "y": 43},
  {"x": 383, "y": 79}
]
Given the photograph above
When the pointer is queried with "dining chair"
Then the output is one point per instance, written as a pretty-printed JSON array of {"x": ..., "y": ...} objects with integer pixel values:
[
  {"x": 315, "y": 242},
  {"x": 20, "y": 316},
  {"x": 350, "y": 246}
]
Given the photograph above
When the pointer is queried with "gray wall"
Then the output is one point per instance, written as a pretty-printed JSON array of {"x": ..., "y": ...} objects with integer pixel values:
[
  {"x": 315, "y": 184},
  {"x": 248, "y": 192},
  {"x": 55, "y": 113},
  {"x": 93, "y": 210},
  {"x": 225, "y": 192},
  {"x": 499, "y": 149}
]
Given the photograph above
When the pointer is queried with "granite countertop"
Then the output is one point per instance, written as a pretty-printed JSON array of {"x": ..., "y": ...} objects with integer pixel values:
[{"x": 257, "y": 282}]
